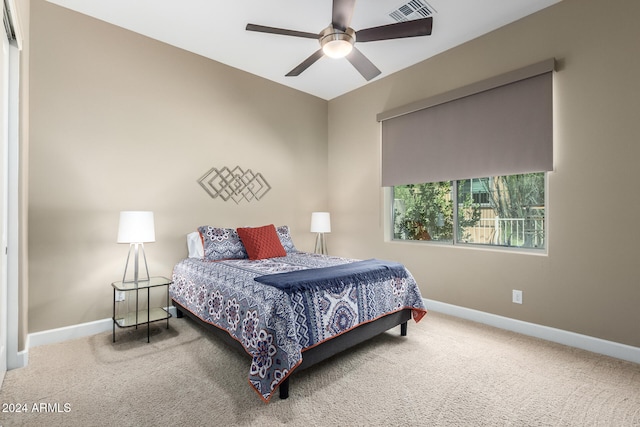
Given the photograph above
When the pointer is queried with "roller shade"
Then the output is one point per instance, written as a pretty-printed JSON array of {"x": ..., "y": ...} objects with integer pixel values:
[{"x": 500, "y": 126}]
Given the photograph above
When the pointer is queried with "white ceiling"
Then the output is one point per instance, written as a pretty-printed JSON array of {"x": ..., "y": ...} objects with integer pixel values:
[{"x": 216, "y": 29}]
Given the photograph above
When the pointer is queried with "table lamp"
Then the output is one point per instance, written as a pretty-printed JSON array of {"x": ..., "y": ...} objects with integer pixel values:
[
  {"x": 136, "y": 228},
  {"x": 320, "y": 223}
]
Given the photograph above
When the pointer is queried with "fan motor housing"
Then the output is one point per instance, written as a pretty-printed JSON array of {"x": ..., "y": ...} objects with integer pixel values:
[{"x": 337, "y": 43}]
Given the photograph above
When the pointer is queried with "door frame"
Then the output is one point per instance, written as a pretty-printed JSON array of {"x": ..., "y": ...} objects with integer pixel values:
[
  {"x": 4, "y": 187},
  {"x": 10, "y": 170}
]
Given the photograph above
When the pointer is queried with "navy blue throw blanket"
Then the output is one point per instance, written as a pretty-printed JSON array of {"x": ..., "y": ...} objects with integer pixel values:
[{"x": 334, "y": 277}]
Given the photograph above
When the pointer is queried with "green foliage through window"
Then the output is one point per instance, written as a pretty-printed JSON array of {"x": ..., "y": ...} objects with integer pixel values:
[{"x": 497, "y": 211}]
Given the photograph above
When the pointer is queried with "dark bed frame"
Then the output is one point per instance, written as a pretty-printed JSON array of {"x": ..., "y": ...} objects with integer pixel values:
[{"x": 320, "y": 352}]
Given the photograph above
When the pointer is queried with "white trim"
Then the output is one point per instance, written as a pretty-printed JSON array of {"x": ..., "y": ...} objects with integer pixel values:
[
  {"x": 15, "y": 358},
  {"x": 76, "y": 331},
  {"x": 15, "y": 22},
  {"x": 22, "y": 358},
  {"x": 584, "y": 342},
  {"x": 66, "y": 333},
  {"x": 4, "y": 201}
]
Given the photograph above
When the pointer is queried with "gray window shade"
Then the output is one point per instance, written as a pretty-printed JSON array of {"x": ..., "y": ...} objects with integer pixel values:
[{"x": 500, "y": 126}]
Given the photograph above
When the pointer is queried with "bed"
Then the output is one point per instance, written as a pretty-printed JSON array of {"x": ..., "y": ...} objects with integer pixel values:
[{"x": 287, "y": 309}]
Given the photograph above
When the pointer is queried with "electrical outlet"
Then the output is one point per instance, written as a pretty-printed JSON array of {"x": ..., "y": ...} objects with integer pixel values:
[
  {"x": 119, "y": 296},
  {"x": 516, "y": 297}
]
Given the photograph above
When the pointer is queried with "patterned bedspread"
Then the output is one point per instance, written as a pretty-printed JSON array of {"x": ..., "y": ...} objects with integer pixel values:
[{"x": 275, "y": 327}]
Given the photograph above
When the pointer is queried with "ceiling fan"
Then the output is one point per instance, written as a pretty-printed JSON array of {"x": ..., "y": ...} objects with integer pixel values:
[{"x": 337, "y": 40}]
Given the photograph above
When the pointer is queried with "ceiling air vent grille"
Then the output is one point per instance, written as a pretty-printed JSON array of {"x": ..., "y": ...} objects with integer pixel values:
[{"x": 414, "y": 9}]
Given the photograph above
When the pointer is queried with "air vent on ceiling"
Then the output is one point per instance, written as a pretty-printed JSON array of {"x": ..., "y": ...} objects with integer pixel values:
[{"x": 414, "y": 9}]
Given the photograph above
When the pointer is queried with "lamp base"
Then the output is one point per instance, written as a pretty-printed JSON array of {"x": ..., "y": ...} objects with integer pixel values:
[
  {"x": 321, "y": 245},
  {"x": 136, "y": 277}
]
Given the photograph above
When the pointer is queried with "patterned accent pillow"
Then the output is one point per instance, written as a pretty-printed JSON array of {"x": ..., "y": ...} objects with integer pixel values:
[
  {"x": 285, "y": 239},
  {"x": 221, "y": 243},
  {"x": 261, "y": 242}
]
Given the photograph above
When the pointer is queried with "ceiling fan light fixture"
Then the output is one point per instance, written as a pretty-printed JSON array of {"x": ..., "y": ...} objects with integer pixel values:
[{"x": 337, "y": 43}]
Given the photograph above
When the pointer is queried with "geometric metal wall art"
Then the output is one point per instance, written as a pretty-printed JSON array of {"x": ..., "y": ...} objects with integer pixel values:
[{"x": 235, "y": 184}]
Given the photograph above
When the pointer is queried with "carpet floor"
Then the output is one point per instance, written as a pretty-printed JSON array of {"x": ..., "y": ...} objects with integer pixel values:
[{"x": 446, "y": 372}]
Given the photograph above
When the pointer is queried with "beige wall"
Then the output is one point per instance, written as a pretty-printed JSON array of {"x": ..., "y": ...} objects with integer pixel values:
[
  {"x": 588, "y": 283},
  {"x": 122, "y": 122}
]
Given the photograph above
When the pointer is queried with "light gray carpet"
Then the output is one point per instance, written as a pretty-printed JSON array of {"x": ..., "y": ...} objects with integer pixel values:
[{"x": 446, "y": 372}]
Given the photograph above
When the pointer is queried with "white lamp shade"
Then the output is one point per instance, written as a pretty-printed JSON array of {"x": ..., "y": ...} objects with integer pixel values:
[
  {"x": 136, "y": 227},
  {"x": 320, "y": 222},
  {"x": 337, "y": 48}
]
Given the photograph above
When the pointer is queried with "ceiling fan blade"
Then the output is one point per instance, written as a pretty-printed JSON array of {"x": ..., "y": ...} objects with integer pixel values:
[
  {"x": 342, "y": 12},
  {"x": 418, "y": 27},
  {"x": 306, "y": 64},
  {"x": 281, "y": 31},
  {"x": 362, "y": 64}
]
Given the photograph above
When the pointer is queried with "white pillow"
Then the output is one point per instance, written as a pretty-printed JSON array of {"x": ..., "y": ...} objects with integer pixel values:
[{"x": 194, "y": 245}]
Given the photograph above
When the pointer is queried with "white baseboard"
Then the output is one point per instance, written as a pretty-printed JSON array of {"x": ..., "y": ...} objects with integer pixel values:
[
  {"x": 67, "y": 333},
  {"x": 584, "y": 342},
  {"x": 22, "y": 358},
  {"x": 596, "y": 345},
  {"x": 19, "y": 359}
]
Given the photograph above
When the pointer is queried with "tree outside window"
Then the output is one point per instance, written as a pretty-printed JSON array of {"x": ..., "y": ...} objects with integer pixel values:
[{"x": 496, "y": 211}]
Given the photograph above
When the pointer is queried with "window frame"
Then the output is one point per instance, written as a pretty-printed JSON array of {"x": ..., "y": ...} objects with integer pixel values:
[{"x": 389, "y": 235}]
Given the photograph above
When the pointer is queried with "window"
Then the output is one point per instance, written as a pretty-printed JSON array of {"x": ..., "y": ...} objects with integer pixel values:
[
  {"x": 423, "y": 211},
  {"x": 481, "y": 152},
  {"x": 479, "y": 189},
  {"x": 507, "y": 211}
]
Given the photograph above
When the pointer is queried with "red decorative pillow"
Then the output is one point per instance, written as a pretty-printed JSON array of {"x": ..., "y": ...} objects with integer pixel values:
[{"x": 261, "y": 242}]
